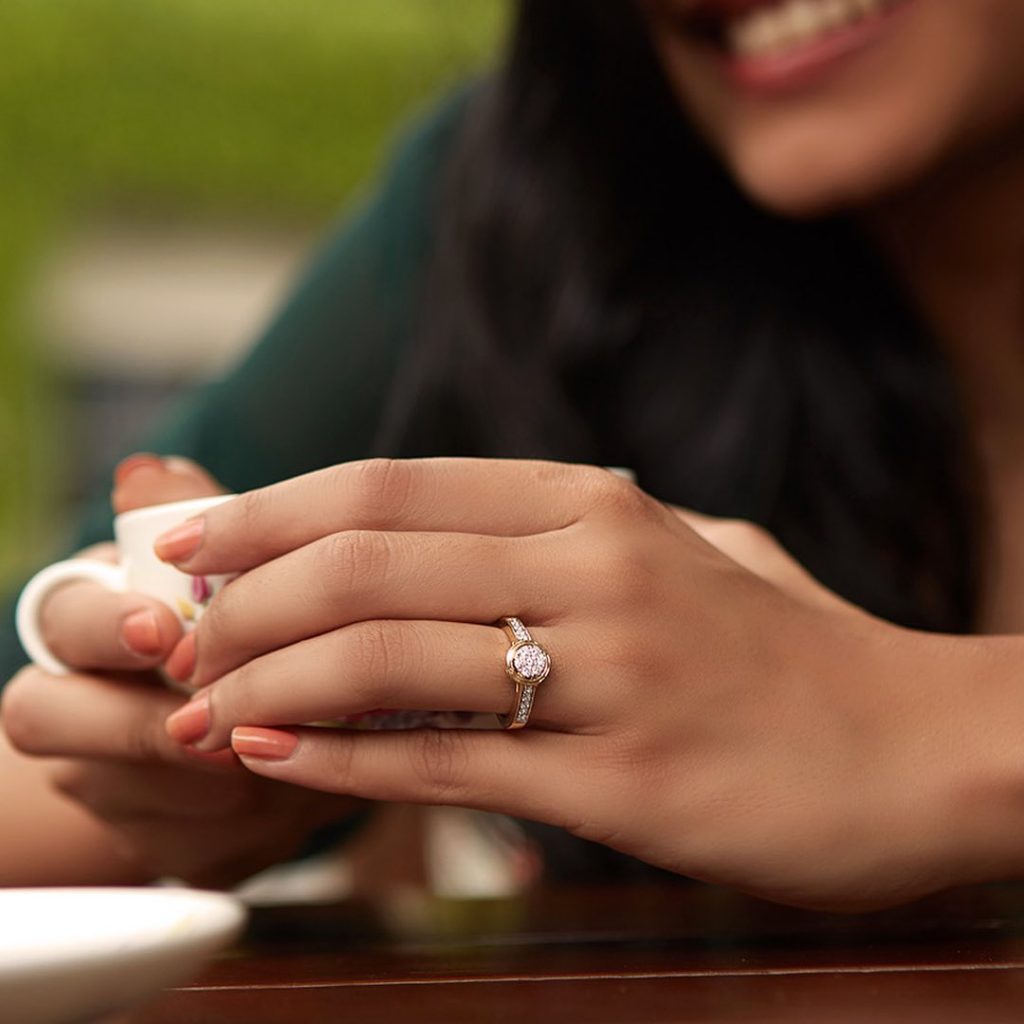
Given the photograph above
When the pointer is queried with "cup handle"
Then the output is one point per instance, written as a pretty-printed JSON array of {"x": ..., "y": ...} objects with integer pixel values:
[{"x": 39, "y": 588}]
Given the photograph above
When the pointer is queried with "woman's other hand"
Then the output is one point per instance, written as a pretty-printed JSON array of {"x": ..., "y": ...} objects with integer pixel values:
[
  {"x": 100, "y": 737},
  {"x": 90, "y": 628}
]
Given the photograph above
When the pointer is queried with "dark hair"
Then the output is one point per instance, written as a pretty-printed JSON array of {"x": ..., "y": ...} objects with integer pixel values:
[{"x": 602, "y": 292}]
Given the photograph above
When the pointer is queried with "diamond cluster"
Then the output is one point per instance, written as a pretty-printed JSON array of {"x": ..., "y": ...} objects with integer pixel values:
[{"x": 531, "y": 662}]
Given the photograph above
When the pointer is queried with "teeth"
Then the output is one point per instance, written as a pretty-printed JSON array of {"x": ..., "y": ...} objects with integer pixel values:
[
  {"x": 802, "y": 17},
  {"x": 753, "y": 34},
  {"x": 832, "y": 13},
  {"x": 794, "y": 23}
]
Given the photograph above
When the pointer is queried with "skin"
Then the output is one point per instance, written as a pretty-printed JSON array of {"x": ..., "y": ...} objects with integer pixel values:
[
  {"x": 783, "y": 742},
  {"x": 960, "y": 257},
  {"x": 96, "y": 792},
  {"x": 778, "y": 740},
  {"x": 920, "y": 138},
  {"x": 941, "y": 87}
]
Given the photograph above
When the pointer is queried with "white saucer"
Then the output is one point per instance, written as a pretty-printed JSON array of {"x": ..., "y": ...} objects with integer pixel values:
[{"x": 72, "y": 955}]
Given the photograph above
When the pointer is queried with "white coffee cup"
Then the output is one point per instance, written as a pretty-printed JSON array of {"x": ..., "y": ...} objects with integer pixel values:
[{"x": 137, "y": 569}]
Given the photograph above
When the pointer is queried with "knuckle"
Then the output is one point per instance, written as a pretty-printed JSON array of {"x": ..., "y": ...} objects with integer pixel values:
[
  {"x": 252, "y": 508},
  {"x": 370, "y": 654},
  {"x": 137, "y": 746},
  {"x": 382, "y": 655},
  {"x": 354, "y": 560},
  {"x": 213, "y": 633},
  {"x": 340, "y": 761},
  {"x": 625, "y": 657},
  {"x": 594, "y": 484},
  {"x": 383, "y": 487},
  {"x": 622, "y": 568},
  {"x": 440, "y": 763},
  {"x": 23, "y": 721},
  {"x": 223, "y": 626},
  {"x": 240, "y": 687},
  {"x": 72, "y": 779},
  {"x": 145, "y": 741},
  {"x": 620, "y": 499}
]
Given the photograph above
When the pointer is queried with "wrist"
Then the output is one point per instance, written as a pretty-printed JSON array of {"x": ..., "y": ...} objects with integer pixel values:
[{"x": 969, "y": 692}]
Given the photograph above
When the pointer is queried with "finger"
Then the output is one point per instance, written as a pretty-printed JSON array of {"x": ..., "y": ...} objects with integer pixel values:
[
  {"x": 89, "y": 627},
  {"x": 118, "y": 792},
  {"x": 113, "y": 719},
  {"x": 105, "y": 551},
  {"x": 427, "y": 666},
  {"x": 528, "y": 775},
  {"x": 143, "y": 479},
  {"x": 496, "y": 497},
  {"x": 362, "y": 575}
]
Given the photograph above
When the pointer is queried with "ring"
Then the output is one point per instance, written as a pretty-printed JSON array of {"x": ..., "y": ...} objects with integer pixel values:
[{"x": 527, "y": 664}]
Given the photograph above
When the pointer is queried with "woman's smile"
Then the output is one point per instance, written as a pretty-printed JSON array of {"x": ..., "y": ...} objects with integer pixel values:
[
  {"x": 822, "y": 105},
  {"x": 767, "y": 45}
]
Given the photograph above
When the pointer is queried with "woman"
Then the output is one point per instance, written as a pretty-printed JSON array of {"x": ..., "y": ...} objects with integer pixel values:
[{"x": 768, "y": 256}]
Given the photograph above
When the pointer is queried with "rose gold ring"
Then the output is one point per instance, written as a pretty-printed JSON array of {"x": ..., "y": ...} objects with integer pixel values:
[{"x": 527, "y": 664}]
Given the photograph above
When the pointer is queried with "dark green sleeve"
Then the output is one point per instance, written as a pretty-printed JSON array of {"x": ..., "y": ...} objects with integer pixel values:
[{"x": 312, "y": 391}]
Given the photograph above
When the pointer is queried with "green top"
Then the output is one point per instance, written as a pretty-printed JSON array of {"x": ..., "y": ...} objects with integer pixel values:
[{"x": 311, "y": 393}]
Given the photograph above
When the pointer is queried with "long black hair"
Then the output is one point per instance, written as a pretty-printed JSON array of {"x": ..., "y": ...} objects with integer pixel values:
[{"x": 602, "y": 292}]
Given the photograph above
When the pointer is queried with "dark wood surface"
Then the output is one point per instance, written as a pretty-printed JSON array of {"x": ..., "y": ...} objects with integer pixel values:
[{"x": 609, "y": 956}]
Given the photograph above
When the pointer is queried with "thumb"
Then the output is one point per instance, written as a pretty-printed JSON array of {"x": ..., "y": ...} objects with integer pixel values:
[
  {"x": 145, "y": 479},
  {"x": 757, "y": 550}
]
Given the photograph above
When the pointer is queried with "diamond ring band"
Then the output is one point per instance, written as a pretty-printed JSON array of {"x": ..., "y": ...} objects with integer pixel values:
[{"x": 527, "y": 664}]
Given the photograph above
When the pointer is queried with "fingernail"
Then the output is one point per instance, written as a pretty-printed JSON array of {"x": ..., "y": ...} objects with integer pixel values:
[
  {"x": 127, "y": 466},
  {"x": 182, "y": 660},
  {"x": 263, "y": 744},
  {"x": 181, "y": 543},
  {"x": 140, "y": 634},
  {"x": 191, "y": 722},
  {"x": 179, "y": 464}
]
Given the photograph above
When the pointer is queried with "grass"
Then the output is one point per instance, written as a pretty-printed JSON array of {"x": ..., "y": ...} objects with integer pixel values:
[{"x": 218, "y": 109}]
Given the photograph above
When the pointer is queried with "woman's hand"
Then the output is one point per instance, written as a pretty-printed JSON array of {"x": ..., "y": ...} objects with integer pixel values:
[
  {"x": 169, "y": 812},
  {"x": 723, "y": 717},
  {"x": 89, "y": 627}
]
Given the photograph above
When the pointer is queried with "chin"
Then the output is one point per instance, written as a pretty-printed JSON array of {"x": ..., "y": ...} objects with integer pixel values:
[
  {"x": 806, "y": 199},
  {"x": 821, "y": 183},
  {"x": 813, "y": 117}
]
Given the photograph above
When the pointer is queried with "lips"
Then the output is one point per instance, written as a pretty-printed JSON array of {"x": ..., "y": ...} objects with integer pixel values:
[{"x": 771, "y": 44}]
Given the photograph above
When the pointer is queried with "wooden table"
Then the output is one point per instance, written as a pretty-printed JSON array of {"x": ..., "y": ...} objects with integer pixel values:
[{"x": 607, "y": 956}]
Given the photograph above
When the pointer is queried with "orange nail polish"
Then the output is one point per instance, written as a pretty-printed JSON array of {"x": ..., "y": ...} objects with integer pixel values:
[
  {"x": 127, "y": 466},
  {"x": 191, "y": 722},
  {"x": 182, "y": 660},
  {"x": 263, "y": 744},
  {"x": 180, "y": 543},
  {"x": 140, "y": 634}
]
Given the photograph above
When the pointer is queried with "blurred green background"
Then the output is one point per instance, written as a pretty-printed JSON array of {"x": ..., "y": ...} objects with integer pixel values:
[{"x": 203, "y": 111}]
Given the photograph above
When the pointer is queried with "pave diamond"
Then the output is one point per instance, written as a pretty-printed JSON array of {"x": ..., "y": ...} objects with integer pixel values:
[
  {"x": 531, "y": 661},
  {"x": 525, "y": 705},
  {"x": 519, "y": 631}
]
